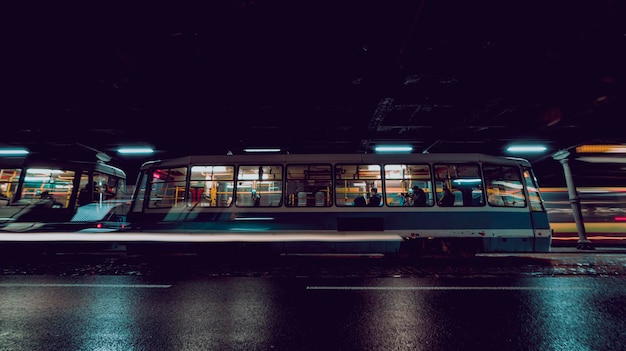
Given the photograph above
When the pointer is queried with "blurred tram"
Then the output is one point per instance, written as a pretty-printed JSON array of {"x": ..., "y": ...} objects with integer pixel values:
[
  {"x": 47, "y": 193},
  {"x": 603, "y": 212},
  {"x": 325, "y": 203}
]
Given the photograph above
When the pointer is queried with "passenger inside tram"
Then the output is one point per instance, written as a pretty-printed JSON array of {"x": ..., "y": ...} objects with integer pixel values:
[
  {"x": 360, "y": 201},
  {"x": 418, "y": 197},
  {"x": 374, "y": 200},
  {"x": 256, "y": 198},
  {"x": 447, "y": 198}
]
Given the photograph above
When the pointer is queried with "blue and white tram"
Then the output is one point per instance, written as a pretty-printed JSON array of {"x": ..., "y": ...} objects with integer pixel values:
[
  {"x": 320, "y": 203},
  {"x": 49, "y": 193}
]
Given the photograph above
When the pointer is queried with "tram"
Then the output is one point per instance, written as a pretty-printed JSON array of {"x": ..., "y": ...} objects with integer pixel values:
[
  {"x": 47, "y": 193},
  {"x": 323, "y": 203}
]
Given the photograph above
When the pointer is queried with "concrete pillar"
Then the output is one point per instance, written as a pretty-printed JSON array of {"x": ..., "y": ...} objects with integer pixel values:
[{"x": 583, "y": 242}]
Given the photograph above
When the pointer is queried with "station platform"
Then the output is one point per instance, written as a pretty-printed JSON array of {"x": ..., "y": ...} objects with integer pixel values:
[{"x": 598, "y": 249}]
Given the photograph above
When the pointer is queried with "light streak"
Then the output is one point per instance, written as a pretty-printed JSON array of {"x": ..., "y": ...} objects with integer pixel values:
[
  {"x": 78, "y": 285},
  {"x": 418, "y": 288}
]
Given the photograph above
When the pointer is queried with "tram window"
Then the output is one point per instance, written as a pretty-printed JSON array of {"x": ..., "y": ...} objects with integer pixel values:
[
  {"x": 107, "y": 186},
  {"x": 168, "y": 187},
  {"x": 9, "y": 179},
  {"x": 103, "y": 187},
  {"x": 458, "y": 184},
  {"x": 259, "y": 185},
  {"x": 536, "y": 203},
  {"x": 50, "y": 185},
  {"x": 212, "y": 185},
  {"x": 400, "y": 180},
  {"x": 504, "y": 186},
  {"x": 354, "y": 183},
  {"x": 309, "y": 185}
]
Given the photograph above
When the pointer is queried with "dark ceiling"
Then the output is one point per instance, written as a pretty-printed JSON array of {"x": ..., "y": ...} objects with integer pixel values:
[{"x": 314, "y": 76}]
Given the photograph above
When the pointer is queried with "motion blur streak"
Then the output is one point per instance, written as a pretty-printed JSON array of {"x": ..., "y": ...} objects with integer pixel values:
[{"x": 441, "y": 288}]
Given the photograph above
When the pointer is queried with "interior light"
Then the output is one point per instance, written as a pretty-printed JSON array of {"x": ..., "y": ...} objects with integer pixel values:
[
  {"x": 262, "y": 150},
  {"x": 527, "y": 148},
  {"x": 135, "y": 150},
  {"x": 393, "y": 148},
  {"x": 253, "y": 176},
  {"x": 13, "y": 152},
  {"x": 208, "y": 169},
  {"x": 40, "y": 178},
  {"x": 43, "y": 171}
]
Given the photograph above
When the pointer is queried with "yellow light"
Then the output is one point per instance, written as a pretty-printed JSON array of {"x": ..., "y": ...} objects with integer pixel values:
[{"x": 596, "y": 149}]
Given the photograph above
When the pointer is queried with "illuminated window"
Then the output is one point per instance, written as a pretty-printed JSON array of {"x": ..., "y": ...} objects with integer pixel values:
[
  {"x": 400, "y": 180},
  {"x": 504, "y": 186},
  {"x": 212, "y": 186},
  {"x": 458, "y": 184},
  {"x": 354, "y": 183},
  {"x": 168, "y": 188},
  {"x": 309, "y": 185},
  {"x": 259, "y": 186}
]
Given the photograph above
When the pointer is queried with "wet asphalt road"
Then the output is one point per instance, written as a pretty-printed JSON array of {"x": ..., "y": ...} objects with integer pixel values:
[{"x": 565, "y": 300}]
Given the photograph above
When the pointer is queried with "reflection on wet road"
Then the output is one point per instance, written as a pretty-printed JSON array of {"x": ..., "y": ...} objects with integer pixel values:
[
  {"x": 325, "y": 311},
  {"x": 563, "y": 300}
]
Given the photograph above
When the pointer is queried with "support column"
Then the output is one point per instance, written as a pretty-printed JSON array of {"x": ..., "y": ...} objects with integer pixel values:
[{"x": 583, "y": 242}]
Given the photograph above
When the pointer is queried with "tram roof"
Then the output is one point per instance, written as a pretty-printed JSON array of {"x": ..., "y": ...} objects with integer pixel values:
[{"x": 335, "y": 158}]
